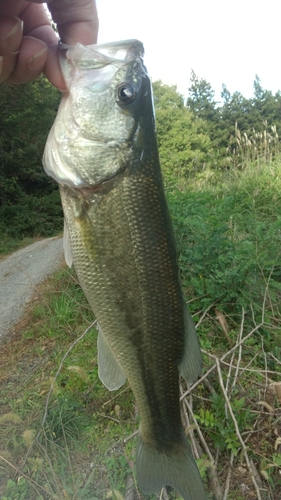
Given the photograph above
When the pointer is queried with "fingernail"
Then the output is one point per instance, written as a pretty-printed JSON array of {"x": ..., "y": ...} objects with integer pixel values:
[
  {"x": 36, "y": 63},
  {"x": 13, "y": 39}
]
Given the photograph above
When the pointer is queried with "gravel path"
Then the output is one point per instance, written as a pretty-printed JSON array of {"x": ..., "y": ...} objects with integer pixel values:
[{"x": 20, "y": 273}]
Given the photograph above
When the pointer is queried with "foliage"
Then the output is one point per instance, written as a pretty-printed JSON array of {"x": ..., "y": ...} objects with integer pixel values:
[
  {"x": 227, "y": 249},
  {"x": 235, "y": 111},
  {"x": 184, "y": 144},
  {"x": 201, "y": 98},
  {"x": 29, "y": 200},
  {"x": 194, "y": 136},
  {"x": 19, "y": 490},
  {"x": 204, "y": 134},
  {"x": 219, "y": 424}
]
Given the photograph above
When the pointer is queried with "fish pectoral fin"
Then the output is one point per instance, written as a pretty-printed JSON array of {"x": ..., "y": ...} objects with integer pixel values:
[
  {"x": 109, "y": 369},
  {"x": 191, "y": 363},
  {"x": 66, "y": 245},
  {"x": 179, "y": 470}
]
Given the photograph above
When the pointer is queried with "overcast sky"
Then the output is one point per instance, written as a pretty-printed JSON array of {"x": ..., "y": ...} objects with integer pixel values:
[{"x": 224, "y": 42}]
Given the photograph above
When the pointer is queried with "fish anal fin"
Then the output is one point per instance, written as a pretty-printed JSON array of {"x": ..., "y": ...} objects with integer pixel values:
[
  {"x": 66, "y": 246},
  {"x": 191, "y": 363},
  {"x": 178, "y": 470},
  {"x": 109, "y": 369}
]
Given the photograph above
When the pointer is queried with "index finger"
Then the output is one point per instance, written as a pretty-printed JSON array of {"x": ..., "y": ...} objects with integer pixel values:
[{"x": 77, "y": 21}]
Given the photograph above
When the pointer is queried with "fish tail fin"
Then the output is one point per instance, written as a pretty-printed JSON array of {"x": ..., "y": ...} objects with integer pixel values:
[{"x": 179, "y": 470}]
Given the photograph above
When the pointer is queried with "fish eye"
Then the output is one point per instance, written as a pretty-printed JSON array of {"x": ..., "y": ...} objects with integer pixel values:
[{"x": 126, "y": 93}]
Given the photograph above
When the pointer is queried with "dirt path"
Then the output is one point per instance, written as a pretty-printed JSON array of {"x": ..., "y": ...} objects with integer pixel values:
[{"x": 20, "y": 273}]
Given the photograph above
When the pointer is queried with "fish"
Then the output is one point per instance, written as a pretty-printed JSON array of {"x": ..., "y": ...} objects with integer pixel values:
[{"x": 102, "y": 150}]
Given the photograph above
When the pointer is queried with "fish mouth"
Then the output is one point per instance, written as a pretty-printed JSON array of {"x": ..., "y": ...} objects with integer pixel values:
[{"x": 102, "y": 54}]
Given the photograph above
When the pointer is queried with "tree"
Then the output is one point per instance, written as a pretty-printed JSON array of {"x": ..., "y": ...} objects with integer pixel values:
[
  {"x": 184, "y": 144},
  {"x": 258, "y": 90},
  {"x": 201, "y": 98},
  {"x": 202, "y": 103},
  {"x": 267, "y": 107},
  {"x": 225, "y": 94},
  {"x": 166, "y": 96}
]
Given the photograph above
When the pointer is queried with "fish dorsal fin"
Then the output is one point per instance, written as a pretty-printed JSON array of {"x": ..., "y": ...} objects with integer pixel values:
[
  {"x": 110, "y": 371},
  {"x": 66, "y": 246},
  {"x": 191, "y": 363}
]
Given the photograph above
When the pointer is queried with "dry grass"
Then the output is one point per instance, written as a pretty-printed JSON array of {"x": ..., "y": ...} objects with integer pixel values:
[{"x": 254, "y": 146}]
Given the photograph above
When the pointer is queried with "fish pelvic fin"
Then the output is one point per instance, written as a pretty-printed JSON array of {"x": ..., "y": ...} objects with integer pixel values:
[
  {"x": 191, "y": 363},
  {"x": 66, "y": 245},
  {"x": 178, "y": 470},
  {"x": 109, "y": 369}
]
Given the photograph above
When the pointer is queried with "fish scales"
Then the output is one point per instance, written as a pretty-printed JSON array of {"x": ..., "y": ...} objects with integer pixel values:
[
  {"x": 131, "y": 292},
  {"x": 124, "y": 253}
]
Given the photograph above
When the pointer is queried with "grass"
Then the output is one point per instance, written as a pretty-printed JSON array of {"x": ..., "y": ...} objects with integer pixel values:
[
  {"x": 228, "y": 234},
  {"x": 9, "y": 245},
  {"x": 70, "y": 456}
]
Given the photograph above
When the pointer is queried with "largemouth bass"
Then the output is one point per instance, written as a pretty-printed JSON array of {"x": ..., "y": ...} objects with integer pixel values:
[{"x": 102, "y": 150}]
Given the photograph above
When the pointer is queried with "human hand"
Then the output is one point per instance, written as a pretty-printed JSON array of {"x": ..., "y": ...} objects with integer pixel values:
[{"x": 28, "y": 43}]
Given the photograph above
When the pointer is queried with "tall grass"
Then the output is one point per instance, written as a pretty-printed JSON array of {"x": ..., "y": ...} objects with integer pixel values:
[{"x": 253, "y": 146}]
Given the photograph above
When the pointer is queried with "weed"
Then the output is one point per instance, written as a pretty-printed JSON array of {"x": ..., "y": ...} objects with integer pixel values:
[{"x": 19, "y": 490}]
